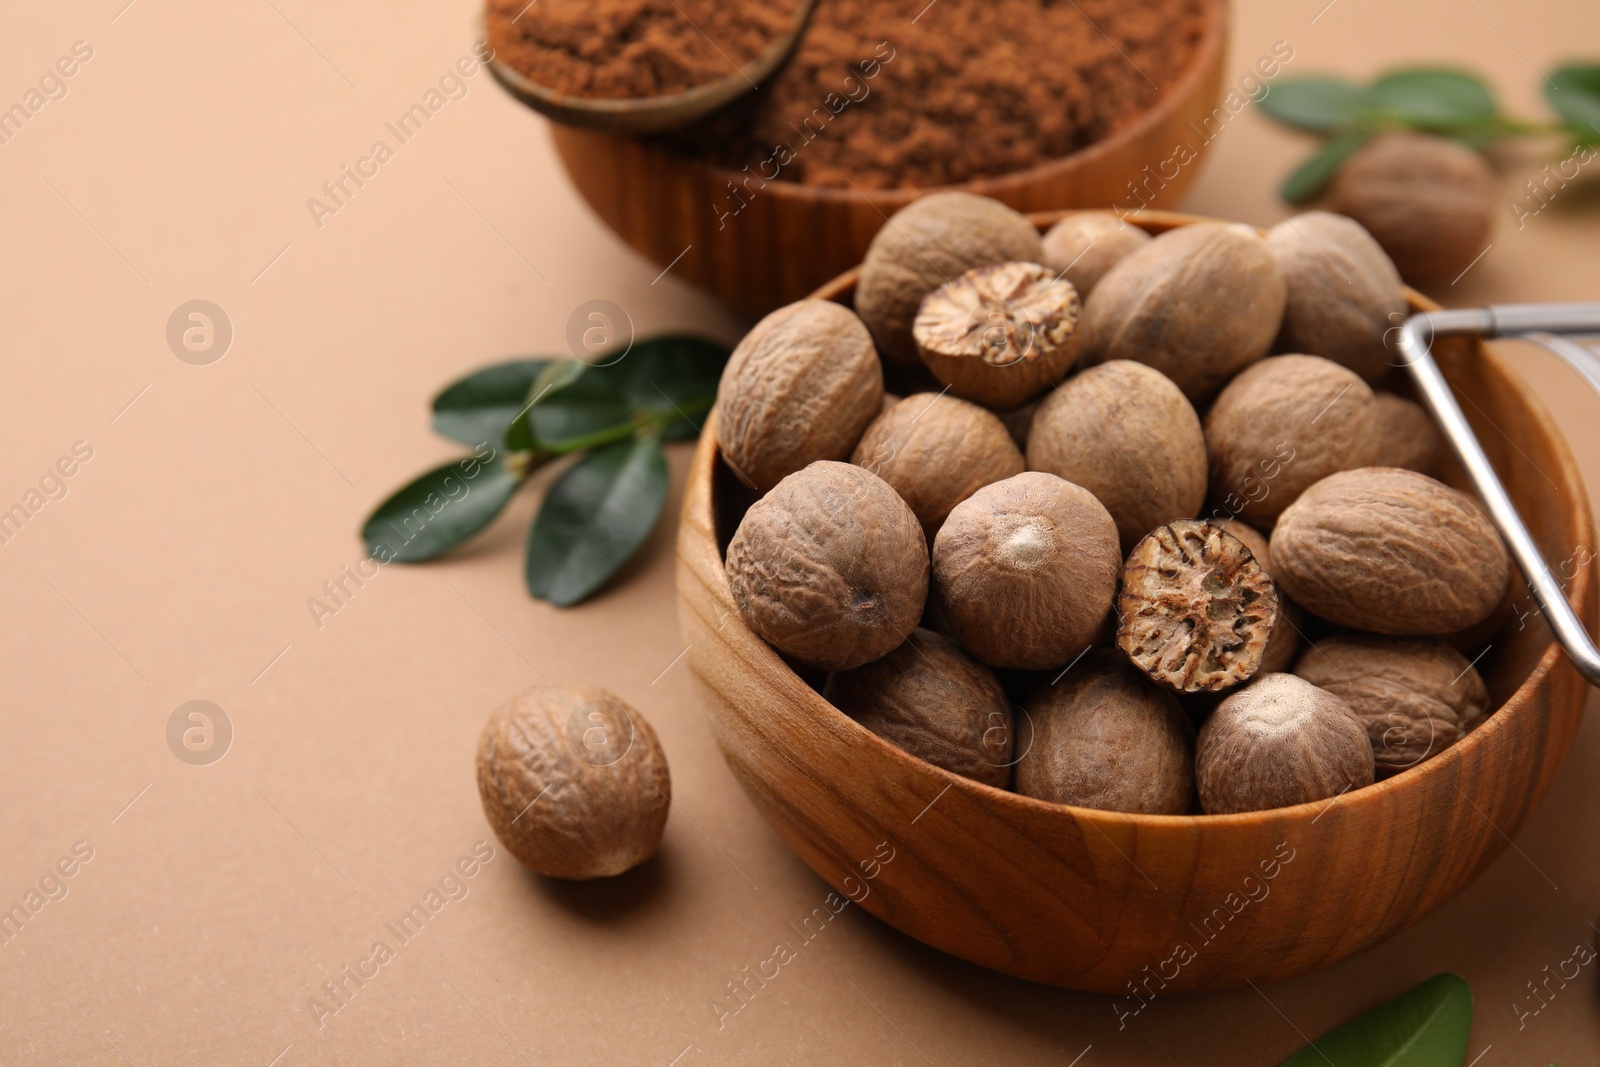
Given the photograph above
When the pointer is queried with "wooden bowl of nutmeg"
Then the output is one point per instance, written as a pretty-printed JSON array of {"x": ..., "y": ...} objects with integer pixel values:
[
  {"x": 1148, "y": 632},
  {"x": 1038, "y": 105}
]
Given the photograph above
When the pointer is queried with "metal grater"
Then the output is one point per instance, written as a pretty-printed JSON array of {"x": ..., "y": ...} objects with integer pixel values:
[{"x": 1551, "y": 326}]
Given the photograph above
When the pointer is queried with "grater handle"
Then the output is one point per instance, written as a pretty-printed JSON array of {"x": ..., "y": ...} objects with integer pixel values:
[{"x": 1507, "y": 320}]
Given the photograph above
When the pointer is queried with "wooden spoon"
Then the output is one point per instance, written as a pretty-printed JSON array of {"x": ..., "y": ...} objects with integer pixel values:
[{"x": 652, "y": 114}]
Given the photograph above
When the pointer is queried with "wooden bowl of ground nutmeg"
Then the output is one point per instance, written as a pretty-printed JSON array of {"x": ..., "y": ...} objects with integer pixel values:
[
  {"x": 1041, "y": 105},
  {"x": 1135, "y": 905}
]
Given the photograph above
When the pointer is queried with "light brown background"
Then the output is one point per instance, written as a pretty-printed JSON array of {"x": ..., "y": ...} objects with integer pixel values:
[{"x": 180, "y": 564}]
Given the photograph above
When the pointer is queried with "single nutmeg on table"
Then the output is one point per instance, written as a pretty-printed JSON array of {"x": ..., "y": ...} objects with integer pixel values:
[
  {"x": 1127, "y": 434},
  {"x": 1390, "y": 551},
  {"x": 573, "y": 782},
  {"x": 1277, "y": 742},
  {"x": 1086, "y": 244},
  {"x": 1196, "y": 607},
  {"x": 1025, "y": 571},
  {"x": 1416, "y": 697},
  {"x": 1104, "y": 737},
  {"x": 1283, "y": 425},
  {"x": 1344, "y": 293},
  {"x": 831, "y": 567},
  {"x": 930, "y": 699},
  {"x": 936, "y": 450},
  {"x": 1000, "y": 334},
  {"x": 802, "y": 386},
  {"x": 1427, "y": 200},
  {"x": 1199, "y": 304},
  {"x": 924, "y": 244}
]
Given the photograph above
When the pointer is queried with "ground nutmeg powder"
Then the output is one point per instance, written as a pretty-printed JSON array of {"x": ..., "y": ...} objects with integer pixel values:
[
  {"x": 615, "y": 49},
  {"x": 878, "y": 93},
  {"x": 890, "y": 93}
]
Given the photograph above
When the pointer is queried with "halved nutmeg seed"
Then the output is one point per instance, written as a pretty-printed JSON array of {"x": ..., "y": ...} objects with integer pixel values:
[
  {"x": 1196, "y": 608},
  {"x": 999, "y": 335}
]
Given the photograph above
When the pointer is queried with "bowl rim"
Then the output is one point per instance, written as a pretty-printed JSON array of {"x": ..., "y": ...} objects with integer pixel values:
[
  {"x": 613, "y": 113},
  {"x": 1581, "y": 592},
  {"x": 1212, "y": 51}
]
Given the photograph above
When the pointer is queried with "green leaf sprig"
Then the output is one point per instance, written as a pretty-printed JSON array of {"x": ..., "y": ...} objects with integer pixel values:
[
  {"x": 1444, "y": 101},
  {"x": 522, "y": 414},
  {"x": 1426, "y": 1026}
]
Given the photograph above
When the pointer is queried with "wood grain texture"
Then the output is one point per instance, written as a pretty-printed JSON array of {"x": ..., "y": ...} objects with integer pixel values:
[
  {"x": 789, "y": 238},
  {"x": 1102, "y": 901}
]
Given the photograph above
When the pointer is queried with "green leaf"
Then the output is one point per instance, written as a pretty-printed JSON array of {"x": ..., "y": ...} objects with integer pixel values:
[
  {"x": 556, "y": 375},
  {"x": 675, "y": 380},
  {"x": 668, "y": 383},
  {"x": 594, "y": 518},
  {"x": 1314, "y": 104},
  {"x": 1574, "y": 91},
  {"x": 440, "y": 509},
  {"x": 1481, "y": 135},
  {"x": 1427, "y": 1026},
  {"x": 589, "y": 411},
  {"x": 478, "y": 408},
  {"x": 664, "y": 371},
  {"x": 1312, "y": 176},
  {"x": 1433, "y": 98}
]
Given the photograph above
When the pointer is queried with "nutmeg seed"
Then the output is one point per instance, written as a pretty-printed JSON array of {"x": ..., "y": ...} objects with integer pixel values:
[
  {"x": 1104, "y": 737},
  {"x": 1283, "y": 425},
  {"x": 1344, "y": 293},
  {"x": 930, "y": 699},
  {"x": 1199, "y": 304},
  {"x": 1000, "y": 334},
  {"x": 1389, "y": 551},
  {"x": 936, "y": 450},
  {"x": 1127, "y": 434},
  {"x": 925, "y": 244},
  {"x": 831, "y": 567},
  {"x": 1407, "y": 436},
  {"x": 1286, "y": 629},
  {"x": 1429, "y": 201},
  {"x": 1196, "y": 607},
  {"x": 1279, "y": 741},
  {"x": 1084, "y": 245},
  {"x": 573, "y": 782},
  {"x": 1025, "y": 571},
  {"x": 802, "y": 386},
  {"x": 1416, "y": 697}
]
